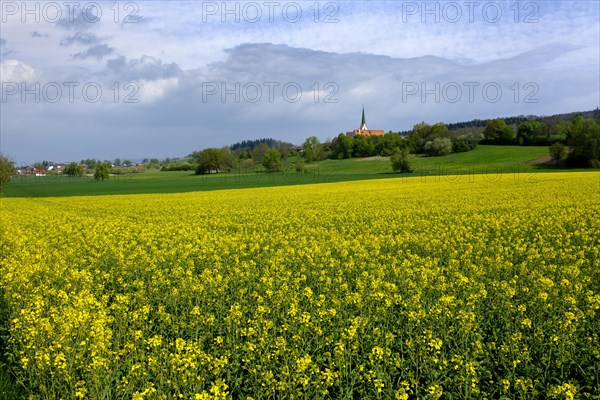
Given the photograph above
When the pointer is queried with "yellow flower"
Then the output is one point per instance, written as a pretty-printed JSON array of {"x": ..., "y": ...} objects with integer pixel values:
[
  {"x": 303, "y": 363},
  {"x": 435, "y": 391}
]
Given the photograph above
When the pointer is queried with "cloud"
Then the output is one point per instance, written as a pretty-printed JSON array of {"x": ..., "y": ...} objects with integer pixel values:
[
  {"x": 75, "y": 21},
  {"x": 16, "y": 71},
  {"x": 385, "y": 85},
  {"x": 98, "y": 52},
  {"x": 540, "y": 56},
  {"x": 222, "y": 97},
  {"x": 3, "y": 46},
  {"x": 37, "y": 34},
  {"x": 145, "y": 68},
  {"x": 84, "y": 38},
  {"x": 151, "y": 91},
  {"x": 176, "y": 60}
]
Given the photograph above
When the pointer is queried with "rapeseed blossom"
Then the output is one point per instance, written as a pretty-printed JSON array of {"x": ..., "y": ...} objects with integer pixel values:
[{"x": 395, "y": 288}]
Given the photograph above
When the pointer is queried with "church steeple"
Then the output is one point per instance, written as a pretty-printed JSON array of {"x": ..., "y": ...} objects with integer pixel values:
[
  {"x": 363, "y": 124},
  {"x": 364, "y": 130}
]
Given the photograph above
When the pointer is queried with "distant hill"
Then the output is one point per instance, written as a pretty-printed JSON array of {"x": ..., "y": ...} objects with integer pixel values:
[
  {"x": 251, "y": 144},
  {"x": 547, "y": 120}
]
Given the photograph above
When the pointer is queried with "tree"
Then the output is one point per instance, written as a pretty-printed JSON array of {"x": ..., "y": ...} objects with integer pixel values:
[
  {"x": 213, "y": 159},
  {"x": 419, "y": 136},
  {"x": 583, "y": 137},
  {"x": 227, "y": 159},
  {"x": 362, "y": 146},
  {"x": 102, "y": 171},
  {"x": 117, "y": 162},
  {"x": 73, "y": 169},
  {"x": 207, "y": 160},
  {"x": 258, "y": 152},
  {"x": 420, "y": 131},
  {"x": 284, "y": 152},
  {"x": 438, "y": 130},
  {"x": 272, "y": 160},
  {"x": 7, "y": 169},
  {"x": 391, "y": 143},
  {"x": 89, "y": 163},
  {"x": 423, "y": 133},
  {"x": 342, "y": 146},
  {"x": 251, "y": 144},
  {"x": 496, "y": 131},
  {"x": 558, "y": 152},
  {"x": 463, "y": 143},
  {"x": 299, "y": 166},
  {"x": 400, "y": 161},
  {"x": 247, "y": 163},
  {"x": 528, "y": 131},
  {"x": 440, "y": 146},
  {"x": 312, "y": 149}
]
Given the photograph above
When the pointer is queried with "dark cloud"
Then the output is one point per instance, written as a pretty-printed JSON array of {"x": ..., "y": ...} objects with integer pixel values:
[
  {"x": 84, "y": 38},
  {"x": 98, "y": 52},
  {"x": 376, "y": 81},
  {"x": 37, "y": 34},
  {"x": 133, "y": 19},
  {"x": 117, "y": 65},
  {"x": 77, "y": 22},
  {"x": 376, "y": 77},
  {"x": 146, "y": 67},
  {"x": 281, "y": 63},
  {"x": 174, "y": 116},
  {"x": 537, "y": 56},
  {"x": 3, "y": 46}
]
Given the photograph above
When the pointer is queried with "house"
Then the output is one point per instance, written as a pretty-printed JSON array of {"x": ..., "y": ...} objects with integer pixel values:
[
  {"x": 364, "y": 130},
  {"x": 299, "y": 149}
]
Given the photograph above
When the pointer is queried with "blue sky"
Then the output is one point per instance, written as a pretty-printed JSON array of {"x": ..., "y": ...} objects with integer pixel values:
[{"x": 158, "y": 79}]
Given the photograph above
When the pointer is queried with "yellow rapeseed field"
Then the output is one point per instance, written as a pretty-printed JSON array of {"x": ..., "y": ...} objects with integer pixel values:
[{"x": 465, "y": 287}]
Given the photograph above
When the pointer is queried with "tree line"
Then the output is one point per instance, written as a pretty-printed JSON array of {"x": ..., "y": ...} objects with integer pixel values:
[
  {"x": 215, "y": 160},
  {"x": 573, "y": 143},
  {"x": 573, "y": 140}
]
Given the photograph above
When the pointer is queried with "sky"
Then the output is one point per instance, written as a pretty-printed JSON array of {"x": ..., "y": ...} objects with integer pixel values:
[{"x": 135, "y": 79}]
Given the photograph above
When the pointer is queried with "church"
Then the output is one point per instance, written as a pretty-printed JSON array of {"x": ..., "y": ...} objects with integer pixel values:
[{"x": 364, "y": 130}]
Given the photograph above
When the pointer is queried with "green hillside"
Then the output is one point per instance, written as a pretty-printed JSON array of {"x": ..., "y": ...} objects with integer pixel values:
[
  {"x": 484, "y": 159},
  {"x": 505, "y": 159}
]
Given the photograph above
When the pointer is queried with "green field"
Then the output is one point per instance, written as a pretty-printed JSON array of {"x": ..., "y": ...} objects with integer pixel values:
[{"x": 484, "y": 159}]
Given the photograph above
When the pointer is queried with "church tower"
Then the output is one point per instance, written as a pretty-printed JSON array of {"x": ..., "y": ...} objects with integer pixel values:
[
  {"x": 364, "y": 130},
  {"x": 363, "y": 124}
]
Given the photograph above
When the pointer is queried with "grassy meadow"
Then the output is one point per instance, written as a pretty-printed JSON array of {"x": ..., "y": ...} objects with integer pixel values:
[{"x": 490, "y": 160}]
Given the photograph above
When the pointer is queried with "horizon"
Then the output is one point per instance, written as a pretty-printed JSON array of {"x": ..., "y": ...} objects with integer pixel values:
[
  {"x": 136, "y": 80},
  {"x": 139, "y": 160}
]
